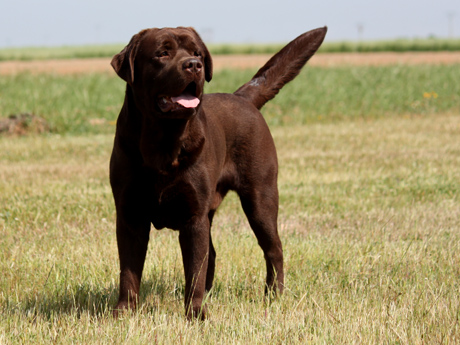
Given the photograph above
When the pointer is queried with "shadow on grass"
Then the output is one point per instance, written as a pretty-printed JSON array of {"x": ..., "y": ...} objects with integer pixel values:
[{"x": 86, "y": 299}]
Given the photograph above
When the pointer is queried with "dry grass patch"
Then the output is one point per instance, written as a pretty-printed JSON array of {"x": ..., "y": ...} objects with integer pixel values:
[{"x": 368, "y": 218}]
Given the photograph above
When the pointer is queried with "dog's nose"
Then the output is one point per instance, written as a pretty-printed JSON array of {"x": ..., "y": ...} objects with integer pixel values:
[{"x": 192, "y": 65}]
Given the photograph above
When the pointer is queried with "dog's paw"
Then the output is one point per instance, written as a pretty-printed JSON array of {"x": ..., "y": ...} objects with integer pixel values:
[
  {"x": 122, "y": 308},
  {"x": 197, "y": 313}
]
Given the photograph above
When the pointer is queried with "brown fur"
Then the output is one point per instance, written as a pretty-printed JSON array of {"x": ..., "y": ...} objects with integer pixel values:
[{"x": 171, "y": 166}]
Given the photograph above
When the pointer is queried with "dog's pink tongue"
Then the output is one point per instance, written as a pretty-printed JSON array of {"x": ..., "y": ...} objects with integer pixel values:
[{"x": 187, "y": 101}]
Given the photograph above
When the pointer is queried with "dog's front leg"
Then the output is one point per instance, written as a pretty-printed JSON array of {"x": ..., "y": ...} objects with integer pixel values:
[
  {"x": 194, "y": 243},
  {"x": 132, "y": 242}
]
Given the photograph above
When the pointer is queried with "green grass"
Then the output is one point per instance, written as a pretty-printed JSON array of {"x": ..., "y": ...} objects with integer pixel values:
[
  {"x": 70, "y": 104},
  {"x": 398, "y": 45},
  {"x": 64, "y": 52},
  {"x": 108, "y": 50},
  {"x": 368, "y": 217},
  {"x": 326, "y": 94},
  {"x": 90, "y": 103}
]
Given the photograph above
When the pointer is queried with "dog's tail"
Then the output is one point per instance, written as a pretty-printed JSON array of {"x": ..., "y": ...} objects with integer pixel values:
[{"x": 282, "y": 68}]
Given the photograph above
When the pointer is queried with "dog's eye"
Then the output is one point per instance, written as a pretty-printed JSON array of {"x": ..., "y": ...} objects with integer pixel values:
[
  {"x": 198, "y": 54},
  {"x": 163, "y": 53}
]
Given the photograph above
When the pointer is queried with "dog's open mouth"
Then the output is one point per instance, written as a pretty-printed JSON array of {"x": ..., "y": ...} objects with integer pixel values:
[{"x": 187, "y": 99}]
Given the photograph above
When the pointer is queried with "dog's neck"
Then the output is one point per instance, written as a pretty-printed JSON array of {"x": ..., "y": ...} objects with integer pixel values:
[
  {"x": 165, "y": 145},
  {"x": 161, "y": 143}
]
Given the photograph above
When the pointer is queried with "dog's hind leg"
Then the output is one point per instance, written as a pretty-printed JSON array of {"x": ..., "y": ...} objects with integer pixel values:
[
  {"x": 212, "y": 256},
  {"x": 261, "y": 208}
]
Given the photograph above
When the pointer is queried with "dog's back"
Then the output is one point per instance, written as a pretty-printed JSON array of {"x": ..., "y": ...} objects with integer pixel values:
[
  {"x": 245, "y": 134},
  {"x": 237, "y": 114}
]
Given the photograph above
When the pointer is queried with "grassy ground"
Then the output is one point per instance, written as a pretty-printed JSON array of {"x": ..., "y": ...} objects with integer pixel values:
[
  {"x": 66, "y": 52},
  {"x": 368, "y": 218},
  {"x": 84, "y": 104}
]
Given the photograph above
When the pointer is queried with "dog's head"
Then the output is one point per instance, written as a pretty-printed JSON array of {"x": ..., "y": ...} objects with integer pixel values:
[{"x": 166, "y": 69}]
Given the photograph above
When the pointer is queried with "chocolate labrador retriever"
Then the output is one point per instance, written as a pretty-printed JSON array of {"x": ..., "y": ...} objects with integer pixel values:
[{"x": 178, "y": 152}]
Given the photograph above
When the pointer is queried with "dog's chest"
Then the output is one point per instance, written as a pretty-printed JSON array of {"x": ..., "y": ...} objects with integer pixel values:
[{"x": 175, "y": 203}]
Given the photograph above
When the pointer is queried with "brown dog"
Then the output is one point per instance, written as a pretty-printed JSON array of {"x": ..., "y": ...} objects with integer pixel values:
[{"x": 178, "y": 152}]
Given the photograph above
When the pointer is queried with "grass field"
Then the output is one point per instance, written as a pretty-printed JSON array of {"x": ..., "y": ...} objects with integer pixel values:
[
  {"x": 369, "y": 218},
  {"x": 82, "y": 104}
]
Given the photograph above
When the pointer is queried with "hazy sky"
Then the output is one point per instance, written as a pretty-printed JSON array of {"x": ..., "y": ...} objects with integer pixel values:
[{"x": 76, "y": 22}]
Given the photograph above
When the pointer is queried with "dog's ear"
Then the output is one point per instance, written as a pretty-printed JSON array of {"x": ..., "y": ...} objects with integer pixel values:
[
  {"x": 207, "y": 63},
  {"x": 123, "y": 62},
  {"x": 206, "y": 56}
]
